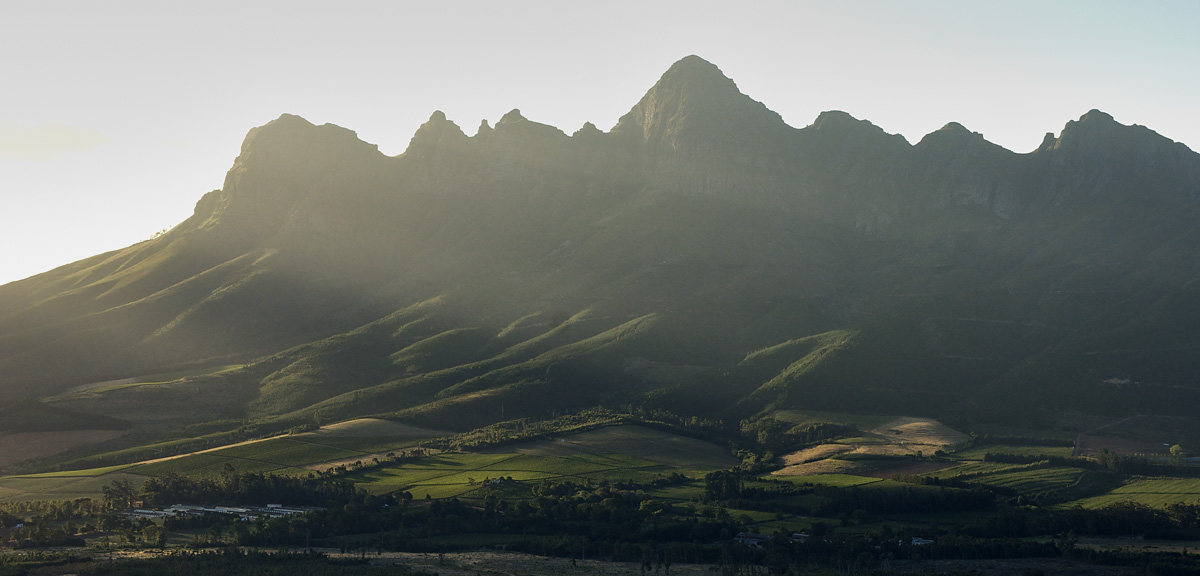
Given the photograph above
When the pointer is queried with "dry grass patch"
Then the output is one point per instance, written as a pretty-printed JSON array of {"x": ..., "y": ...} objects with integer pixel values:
[
  {"x": 827, "y": 466},
  {"x": 919, "y": 431},
  {"x": 815, "y": 453},
  {"x": 375, "y": 428},
  {"x": 885, "y": 450}
]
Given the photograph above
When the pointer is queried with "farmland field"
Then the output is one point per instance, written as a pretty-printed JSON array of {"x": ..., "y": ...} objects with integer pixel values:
[
  {"x": 974, "y": 469},
  {"x": 60, "y": 488},
  {"x": 92, "y": 472},
  {"x": 207, "y": 466},
  {"x": 838, "y": 480},
  {"x": 614, "y": 453},
  {"x": 640, "y": 442},
  {"x": 297, "y": 454},
  {"x": 977, "y": 453},
  {"x": 286, "y": 455},
  {"x": 1154, "y": 492},
  {"x": 1034, "y": 481}
]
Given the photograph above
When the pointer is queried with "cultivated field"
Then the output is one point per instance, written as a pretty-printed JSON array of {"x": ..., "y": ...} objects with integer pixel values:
[
  {"x": 977, "y": 453},
  {"x": 60, "y": 487},
  {"x": 1155, "y": 492},
  {"x": 818, "y": 452},
  {"x": 880, "y": 446},
  {"x": 614, "y": 453},
  {"x": 297, "y": 454}
]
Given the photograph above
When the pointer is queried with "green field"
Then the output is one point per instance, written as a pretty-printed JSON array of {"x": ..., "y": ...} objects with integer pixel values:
[
  {"x": 972, "y": 470},
  {"x": 615, "y": 453},
  {"x": 1026, "y": 479},
  {"x": 1048, "y": 484},
  {"x": 60, "y": 488},
  {"x": 286, "y": 455},
  {"x": 1154, "y": 492},
  {"x": 837, "y": 480},
  {"x": 210, "y": 466},
  {"x": 977, "y": 453},
  {"x": 1034, "y": 482},
  {"x": 91, "y": 472}
]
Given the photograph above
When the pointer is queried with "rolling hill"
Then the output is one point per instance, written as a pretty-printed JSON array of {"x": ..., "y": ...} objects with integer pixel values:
[{"x": 701, "y": 256}]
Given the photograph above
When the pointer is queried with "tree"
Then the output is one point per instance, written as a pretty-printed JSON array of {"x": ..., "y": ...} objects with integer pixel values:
[
  {"x": 1177, "y": 455},
  {"x": 119, "y": 495}
]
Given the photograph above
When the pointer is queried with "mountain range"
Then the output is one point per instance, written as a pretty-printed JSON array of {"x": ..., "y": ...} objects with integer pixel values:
[{"x": 701, "y": 257}]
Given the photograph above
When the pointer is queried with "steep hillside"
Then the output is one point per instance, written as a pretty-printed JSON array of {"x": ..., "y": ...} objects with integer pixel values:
[{"x": 523, "y": 271}]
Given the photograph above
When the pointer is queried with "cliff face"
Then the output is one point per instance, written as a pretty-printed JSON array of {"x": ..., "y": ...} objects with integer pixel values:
[{"x": 700, "y": 207}]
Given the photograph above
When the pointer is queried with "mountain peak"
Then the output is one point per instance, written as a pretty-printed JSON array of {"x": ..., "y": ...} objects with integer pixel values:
[
  {"x": 291, "y": 138},
  {"x": 694, "y": 101},
  {"x": 694, "y": 69},
  {"x": 954, "y": 127},
  {"x": 1095, "y": 115},
  {"x": 437, "y": 132},
  {"x": 513, "y": 116},
  {"x": 1094, "y": 129}
]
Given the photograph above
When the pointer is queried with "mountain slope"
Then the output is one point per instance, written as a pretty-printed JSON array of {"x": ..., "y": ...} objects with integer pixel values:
[{"x": 543, "y": 271}]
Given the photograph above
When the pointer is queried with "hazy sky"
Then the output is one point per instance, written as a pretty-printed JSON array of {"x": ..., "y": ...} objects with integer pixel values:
[{"x": 116, "y": 116}]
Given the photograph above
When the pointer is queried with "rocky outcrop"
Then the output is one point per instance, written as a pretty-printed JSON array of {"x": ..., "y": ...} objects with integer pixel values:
[
  {"x": 959, "y": 168},
  {"x": 1097, "y": 159},
  {"x": 287, "y": 162}
]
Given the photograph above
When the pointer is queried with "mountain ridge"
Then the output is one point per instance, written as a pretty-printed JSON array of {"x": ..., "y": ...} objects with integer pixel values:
[{"x": 699, "y": 229}]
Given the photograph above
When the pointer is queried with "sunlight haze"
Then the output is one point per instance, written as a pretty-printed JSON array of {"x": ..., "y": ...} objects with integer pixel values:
[{"x": 117, "y": 116}]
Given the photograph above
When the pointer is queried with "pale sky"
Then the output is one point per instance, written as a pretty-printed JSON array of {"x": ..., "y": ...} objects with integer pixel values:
[{"x": 116, "y": 116}]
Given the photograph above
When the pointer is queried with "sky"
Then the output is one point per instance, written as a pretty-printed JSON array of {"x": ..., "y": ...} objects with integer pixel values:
[{"x": 116, "y": 116}]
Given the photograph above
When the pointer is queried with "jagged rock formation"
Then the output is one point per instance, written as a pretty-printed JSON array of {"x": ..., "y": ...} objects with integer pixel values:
[{"x": 527, "y": 263}]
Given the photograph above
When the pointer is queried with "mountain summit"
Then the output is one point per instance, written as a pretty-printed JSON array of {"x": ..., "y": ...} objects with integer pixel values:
[
  {"x": 695, "y": 119},
  {"x": 702, "y": 257},
  {"x": 692, "y": 102}
]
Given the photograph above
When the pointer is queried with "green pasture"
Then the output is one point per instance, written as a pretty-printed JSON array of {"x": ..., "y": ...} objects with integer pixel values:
[
  {"x": 286, "y": 452},
  {"x": 693, "y": 490},
  {"x": 284, "y": 455},
  {"x": 1059, "y": 483},
  {"x": 91, "y": 472},
  {"x": 210, "y": 465},
  {"x": 1156, "y": 492},
  {"x": 1034, "y": 481},
  {"x": 360, "y": 444},
  {"x": 971, "y": 470},
  {"x": 288, "y": 455},
  {"x": 617, "y": 453},
  {"x": 60, "y": 488},
  {"x": 619, "y": 444}
]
